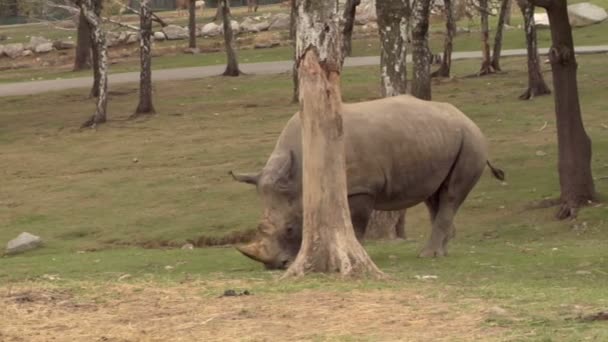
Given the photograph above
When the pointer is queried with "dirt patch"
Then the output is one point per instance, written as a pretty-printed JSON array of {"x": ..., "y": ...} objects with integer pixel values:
[
  {"x": 229, "y": 239},
  {"x": 184, "y": 313}
]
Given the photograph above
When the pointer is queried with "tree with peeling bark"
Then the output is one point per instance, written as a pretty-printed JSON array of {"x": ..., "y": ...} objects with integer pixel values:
[
  {"x": 82, "y": 58},
  {"x": 421, "y": 55},
  {"x": 393, "y": 26},
  {"x": 350, "y": 9},
  {"x": 192, "y": 25},
  {"x": 574, "y": 145},
  {"x": 486, "y": 62},
  {"x": 145, "y": 105},
  {"x": 328, "y": 241},
  {"x": 293, "y": 20},
  {"x": 450, "y": 32},
  {"x": 232, "y": 65},
  {"x": 536, "y": 81},
  {"x": 92, "y": 12},
  {"x": 504, "y": 8}
]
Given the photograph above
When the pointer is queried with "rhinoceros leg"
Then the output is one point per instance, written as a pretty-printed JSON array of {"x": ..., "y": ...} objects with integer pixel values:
[{"x": 361, "y": 207}]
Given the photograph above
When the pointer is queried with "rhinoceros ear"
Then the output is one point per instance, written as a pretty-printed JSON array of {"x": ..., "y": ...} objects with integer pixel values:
[
  {"x": 249, "y": 178},
  {"x": 283, "y": 170}
]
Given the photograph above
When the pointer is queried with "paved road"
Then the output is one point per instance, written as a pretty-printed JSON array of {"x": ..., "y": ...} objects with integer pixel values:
[{"x": 35, "y": 87}]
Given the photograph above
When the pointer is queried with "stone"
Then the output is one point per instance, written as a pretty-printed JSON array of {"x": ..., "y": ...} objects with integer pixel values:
[
  {"x": 188, "y": 246},
  {"x": 64, "y": 44},
  {"x": 236, "y": 28},
  {"x": 585, "y": 14},
  {"x": 44, "y": 47},
  {"x": 365, "y": 12},
  {"x": 133, "y": 38},
  {"x": 541, "y": 20},
  {"x": 264, "y": 40},
  {"x": 22, "y": 243},
  {"x": 35, "y": 41},
  {"x": 252, "y": 25},
  {"x": 174, "y": 32},
  {"x": 280, "y": 21},
  {"x": 158, "y": 35},
  {"x": 13, "y": 50},
  {"x": 122, "y": 37},
  {"x": 112, "y": 38},
  {"x": 210, "y": 30}
]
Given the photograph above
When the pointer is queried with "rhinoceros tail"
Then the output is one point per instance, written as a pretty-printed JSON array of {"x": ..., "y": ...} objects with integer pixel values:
[{"x": 496, "y": 172}]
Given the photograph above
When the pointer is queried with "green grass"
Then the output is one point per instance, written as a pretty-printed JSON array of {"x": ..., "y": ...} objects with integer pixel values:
[{"x": 92, "y": 204}]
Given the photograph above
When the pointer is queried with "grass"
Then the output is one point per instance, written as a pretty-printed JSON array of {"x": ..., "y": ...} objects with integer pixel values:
[
  {"x": 170, "y": 54},
  {"x": 512, "y": 274}
]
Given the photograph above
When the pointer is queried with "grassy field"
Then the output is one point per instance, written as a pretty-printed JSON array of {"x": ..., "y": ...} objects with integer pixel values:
[
  {"x": 170, "y": 53},
  {"x": 97, "y": 196}
]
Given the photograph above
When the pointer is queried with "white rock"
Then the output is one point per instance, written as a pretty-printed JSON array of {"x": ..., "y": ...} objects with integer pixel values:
[
  {"x": 541, "y": 20},
  {"x": 24, "y": 242},
  {"x": 173, "y": 32},
  {"x": 159, "y": 36},
  {"x": 133, "y": 38},
  {"x": 585, "y": 14},
  {"x": 13, "y": 50},
  {"x": 27, "y": 53},
  {"x": 235, "y": 27},
  {"x": 210, "y": 30},
  {"x": 64, "y": 44},
  {"x": 280, "y": 21},
  {"x": 44, "y": 47},
  {"x": 252, "y": 25},
  {"x": 35, "y": 41},
  {"x": 365, "y": 12}
]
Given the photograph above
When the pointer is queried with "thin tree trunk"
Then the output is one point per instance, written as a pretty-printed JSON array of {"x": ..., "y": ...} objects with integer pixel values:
[
  {"x": 450, "y": 31},
  {"x": 232, "y": 67},
  {"x": 328, "y": 238},
  {"x": 293, "y": 35},
  {"x": 92, "y": 10},
  {"x": 421, "y": 55},
  {"x": 393, "y": 25},
  {"x": 509, "y": 12},
  {"x": 386, "y": 225},
  {"x": 504, "y": 7},
  {"x": 350, "y": 8},
  {"x": 218, "y": 11},
  {"x": 145, "y": 105},
  {"x": 536, "y": 82},
  {"x": 486, "y": 63},
  {"x": 82, "y": 60},
  {"x": 574, "y": 145},
  {"x": 192, "y": 24}
]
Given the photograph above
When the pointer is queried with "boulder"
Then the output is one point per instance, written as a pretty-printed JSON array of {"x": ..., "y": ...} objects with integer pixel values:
[
  {"x": 133, "y": 38},
  {"x": 35, "y": 41},
  {"x": 44, "y": 47},
  {"x": 585, "y": 14},
  {"x": 13, "y": 50},
  {"x": 366, "y": 12},
  {"x": 280, "y": 21},
  {"x": 159, "y": 36},
  {"x": 236, "y": 28},
  {"x": 210, "y": 30},
  {"x": 22, "y": 243},
  {"x": 27, "y": 53},
  {"x": 541, "y": 20},
  {"x": 174, "y": 32},
  {"x": 266, "y": 40},
  {"x": 64, "y": 44},
  {"x": 252, "y": 25},
  {"x": 112, "y": 38}
]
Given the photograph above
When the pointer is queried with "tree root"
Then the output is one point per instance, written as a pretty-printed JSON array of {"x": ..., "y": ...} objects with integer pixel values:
[
  {"x": 531, "y": 93},
  {"x": 544, "y": 204},
  {"x": 92, "y": 122}
]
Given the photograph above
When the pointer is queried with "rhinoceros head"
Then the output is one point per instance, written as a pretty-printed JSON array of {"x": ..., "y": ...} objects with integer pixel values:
[{"x": 279, "y": 233}]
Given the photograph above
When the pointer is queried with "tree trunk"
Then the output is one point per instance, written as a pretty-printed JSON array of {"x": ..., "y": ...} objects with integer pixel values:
[
  {"x": 350, "y": 8},
  {"x": 218, "y": 11},
  {"x": 574, "y": 145},
  {"x": 252, "y": 5},
  {"x": 486, "y": 63},
  {"x": 509, "y": 12},
  {"x": 145, "y": 105},
  {"x": 232, "y": 67},
  {"x": 92, "y": 10},
  {"x": 393, "y": 26},
  {"x": 386, "y": 225},
  {"x": 450, "y": 31},
  {"x": 504, "y": 7},
  {"x": 192, "y": 24},
  {"x": 82, "y": 60},
  {"x": 328, "y": 238},
  {"x": 421, "y": 55},
  {"x": 536, "y": 82},
  {"x": 292, "y": 35}
]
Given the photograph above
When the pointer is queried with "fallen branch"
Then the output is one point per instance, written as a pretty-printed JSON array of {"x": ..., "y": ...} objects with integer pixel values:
[
  {"x": 542, "y": 128},
  {"x": 131, "y": 27}
]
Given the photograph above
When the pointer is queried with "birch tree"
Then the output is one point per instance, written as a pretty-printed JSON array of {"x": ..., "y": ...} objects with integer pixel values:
[
  {"x": 145, "y": 105},
  {"x": 393, "y": 26},
  {"x": 450, "y": 32},
  {"x": 232, "y": 65},
  {"x": 536, "y": 82},
  {"x": 421, "y": 55},
  {"x": 504, "y": 8}
]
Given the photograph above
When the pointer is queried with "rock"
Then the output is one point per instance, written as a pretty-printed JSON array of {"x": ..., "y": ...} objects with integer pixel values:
[
  {"x": 540, "y": 153},
  {"x": 235, "y": 27},
  {"x": 498, "y": 311},
  {"x": 133, "y": 38},
  {"x": 44, "y": 48},
  {"x": 366, "y": 12},
  {"x": 174, "y": 32},
  {"x": 35, "y": 41},
  {"x": 264, "y": 40},
  {"x": 159, "y": 36},
  {"x": 210, "y": 30},
  {"x": 24, "y": 242},
  {"x": 252, "y": 25},
  {"x": 122, "y": 37},
  {"x": 541, "y": 20},
  {"x": 280, "y": 21},
  {"x": 585, "y": 14},
  {"x": 64, "y": 44},
  {"x": 13, "y": 50},
  {"x": 188, "y": 246},
  {"x": 27, "y": 53},
  {"x": 112, "y": 38}
]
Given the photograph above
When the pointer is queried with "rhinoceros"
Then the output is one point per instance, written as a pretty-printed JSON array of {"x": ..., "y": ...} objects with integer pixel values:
[{"x": 400, "y": 151}]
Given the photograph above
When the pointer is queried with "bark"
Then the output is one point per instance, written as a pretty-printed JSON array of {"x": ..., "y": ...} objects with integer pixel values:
[
  {"x": 328, "y": 238},
  {"x": 574, "y": 145},
  {"x": 536, "y": 82},
  {"x": 292, "y": 35},
  {"x": 232, "y": 66},
  {"x": 82, "y": 60},
  {"x": 386, "y": 225},
  {"x": 92, "y": 11},
  {"x": 350, "y": 8},
  {"x": 393, "y": 25},
  {"x": 509, "y": 12},
  {"x": 486, "y": 63},
  {"x": 218, "y": 12},
  {"x": 504, "y": 7},
  {"x": 450, "y": 32},
  {"x": 192, "y": 23},
  {"x": 421, "y": 55},
  {"x": 145, "y": 105}
]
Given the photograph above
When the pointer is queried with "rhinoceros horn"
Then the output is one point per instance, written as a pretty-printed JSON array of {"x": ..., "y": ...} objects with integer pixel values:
[
  {"x": 255, "y": 251},
  {"x": 249, "y": 178}
]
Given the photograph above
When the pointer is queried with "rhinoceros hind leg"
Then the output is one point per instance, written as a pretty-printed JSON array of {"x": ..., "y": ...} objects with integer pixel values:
[{"x": 361, "y": 207}]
